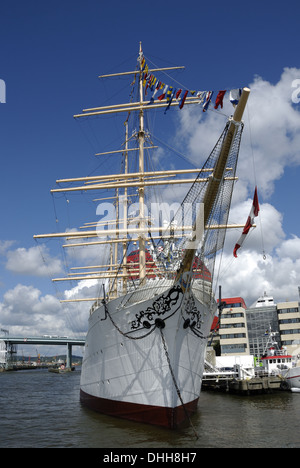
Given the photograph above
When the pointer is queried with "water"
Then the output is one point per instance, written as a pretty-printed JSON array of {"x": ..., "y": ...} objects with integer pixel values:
[{"x": 39, "y": 409}]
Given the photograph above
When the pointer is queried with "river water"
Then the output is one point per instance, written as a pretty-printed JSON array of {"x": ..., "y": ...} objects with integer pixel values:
[{"x": 39, "y": 409}]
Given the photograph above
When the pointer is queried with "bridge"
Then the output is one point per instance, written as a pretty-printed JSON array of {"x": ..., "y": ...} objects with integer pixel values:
[{"x": 46, "y": 340}]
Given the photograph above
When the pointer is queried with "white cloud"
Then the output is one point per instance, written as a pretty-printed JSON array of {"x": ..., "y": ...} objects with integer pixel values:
[
  {"x": 24, "y": 311},
  {"x": 24, "y": 306},
  {"x": 88, "y": 255},
  {"x": 289, "y": 248},
  {"x": 268, "y": 233},
  {"x": 275, "y": 130},
  {"x": 33, "y": 261},
  {"x": 267, "y": 261},
  {"x": 84, "y": 289},
  {"x": 4, "y": 246},
  {"x": 250, "y": 275}
]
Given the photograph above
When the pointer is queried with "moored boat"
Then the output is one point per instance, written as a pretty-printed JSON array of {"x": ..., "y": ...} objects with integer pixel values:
[
  {"x": 275, "y": 360},
  {"x": 61, "y": 369}
]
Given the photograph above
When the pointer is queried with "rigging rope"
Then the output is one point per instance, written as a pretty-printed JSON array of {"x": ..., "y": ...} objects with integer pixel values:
[
  {"x": 166, "y": 74},
  {"x": 254, "y": 173}
]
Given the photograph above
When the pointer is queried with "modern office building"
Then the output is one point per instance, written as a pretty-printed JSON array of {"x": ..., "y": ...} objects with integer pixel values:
[
  {"x": 233, "y": 331},
  {"x": 245, "y": 331},
  {"x": 261, "y": 319},
  {"x": 289, "y": 325}
]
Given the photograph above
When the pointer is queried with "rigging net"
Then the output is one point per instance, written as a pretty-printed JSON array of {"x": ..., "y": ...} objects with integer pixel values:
[{"x": 166, "y": 254}]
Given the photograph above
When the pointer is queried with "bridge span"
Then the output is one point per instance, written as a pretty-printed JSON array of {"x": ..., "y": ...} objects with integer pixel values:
[{"x": 46, "y": 340}]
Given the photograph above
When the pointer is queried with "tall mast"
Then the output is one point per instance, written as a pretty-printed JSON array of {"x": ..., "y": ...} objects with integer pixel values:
[
  {"x": 125, "y": 211},
  {"x": 141, "y": 189}
]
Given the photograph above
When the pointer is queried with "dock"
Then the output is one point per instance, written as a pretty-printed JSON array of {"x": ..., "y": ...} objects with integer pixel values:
[
  {"x": 237, "y": 374},
  {"x": 254, "y": 385}
]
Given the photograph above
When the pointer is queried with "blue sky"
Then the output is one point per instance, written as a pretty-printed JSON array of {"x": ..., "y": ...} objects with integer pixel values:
[{"x": 51, "y": 56}]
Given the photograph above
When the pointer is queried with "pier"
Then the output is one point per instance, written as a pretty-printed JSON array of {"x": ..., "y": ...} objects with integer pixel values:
[
  {"x": 238, "y": 374},
  {"x": 254, "y": 385},
  {"x": 241, "y": 381}
]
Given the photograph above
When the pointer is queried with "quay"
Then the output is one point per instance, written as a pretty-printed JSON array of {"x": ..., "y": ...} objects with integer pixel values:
[
  {"x": 239, "y": 375},
  {"x": 17, "y": 366},
  {"x": 254, "y": 385}
]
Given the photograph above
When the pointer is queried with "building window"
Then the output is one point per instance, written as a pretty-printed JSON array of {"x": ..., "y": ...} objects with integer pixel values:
[
  {"x": 234, "y": 348},
  {"x": 232, "y": 336},
  {"x": 232, "y": 315},
  {"x": 292, "y": 331},
  {"x": 232, "y": 325},
  {"x": 231, "y": 306},
  {"x": 293, "y": 320},
  {"x": 288, "y": 311}
]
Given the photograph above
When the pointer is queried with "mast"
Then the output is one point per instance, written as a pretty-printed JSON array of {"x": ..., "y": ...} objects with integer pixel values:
[
  {"x": 217, "y": 178},
  {"x": 125, "y": 211},
  {"x": 141, "y": 189}
]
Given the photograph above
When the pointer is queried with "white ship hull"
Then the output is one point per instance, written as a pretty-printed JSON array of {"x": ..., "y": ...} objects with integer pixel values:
[
  {"x": 293, "y": 379},
  {"x": 146, "y": 375}
]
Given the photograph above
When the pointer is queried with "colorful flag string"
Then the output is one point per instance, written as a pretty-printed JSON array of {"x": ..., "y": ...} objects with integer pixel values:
[{"x": 165, "y": 91}]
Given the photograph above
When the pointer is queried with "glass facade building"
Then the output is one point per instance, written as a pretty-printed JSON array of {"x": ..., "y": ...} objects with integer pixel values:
[{"x": 260, "y": 320}]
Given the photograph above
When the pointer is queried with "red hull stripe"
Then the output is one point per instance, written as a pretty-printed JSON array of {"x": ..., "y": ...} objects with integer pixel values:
[{"x": 171, "y": 418}]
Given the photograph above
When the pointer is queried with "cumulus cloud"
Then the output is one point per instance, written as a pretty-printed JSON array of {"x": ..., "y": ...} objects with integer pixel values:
[
  {"x": 274, "y": 122},
  {"x": 268, "y": 233},
  {"x": 84, "y": 289},
  {"x": 5, "y": 245},
  {"x": 25, "y": 306},
  {"x": 24, "y": 310},
  {"x": 33, "y": 261},
  {"x": 252, "y": 274}
]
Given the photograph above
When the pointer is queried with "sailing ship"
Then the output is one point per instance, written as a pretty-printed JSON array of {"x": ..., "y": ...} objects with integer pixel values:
[{"x": 148, "y": 329}]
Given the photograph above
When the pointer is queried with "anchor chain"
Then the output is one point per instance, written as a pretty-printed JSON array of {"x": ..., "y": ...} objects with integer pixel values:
[{"x": 175, "y": 383}]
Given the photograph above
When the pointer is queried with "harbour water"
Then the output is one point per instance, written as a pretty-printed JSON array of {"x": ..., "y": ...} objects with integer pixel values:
[{"x": 39, "y": 409}]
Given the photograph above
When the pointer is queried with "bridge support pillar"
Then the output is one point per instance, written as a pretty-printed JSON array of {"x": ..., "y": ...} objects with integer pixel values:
[{"x": 69, "y": 355}]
